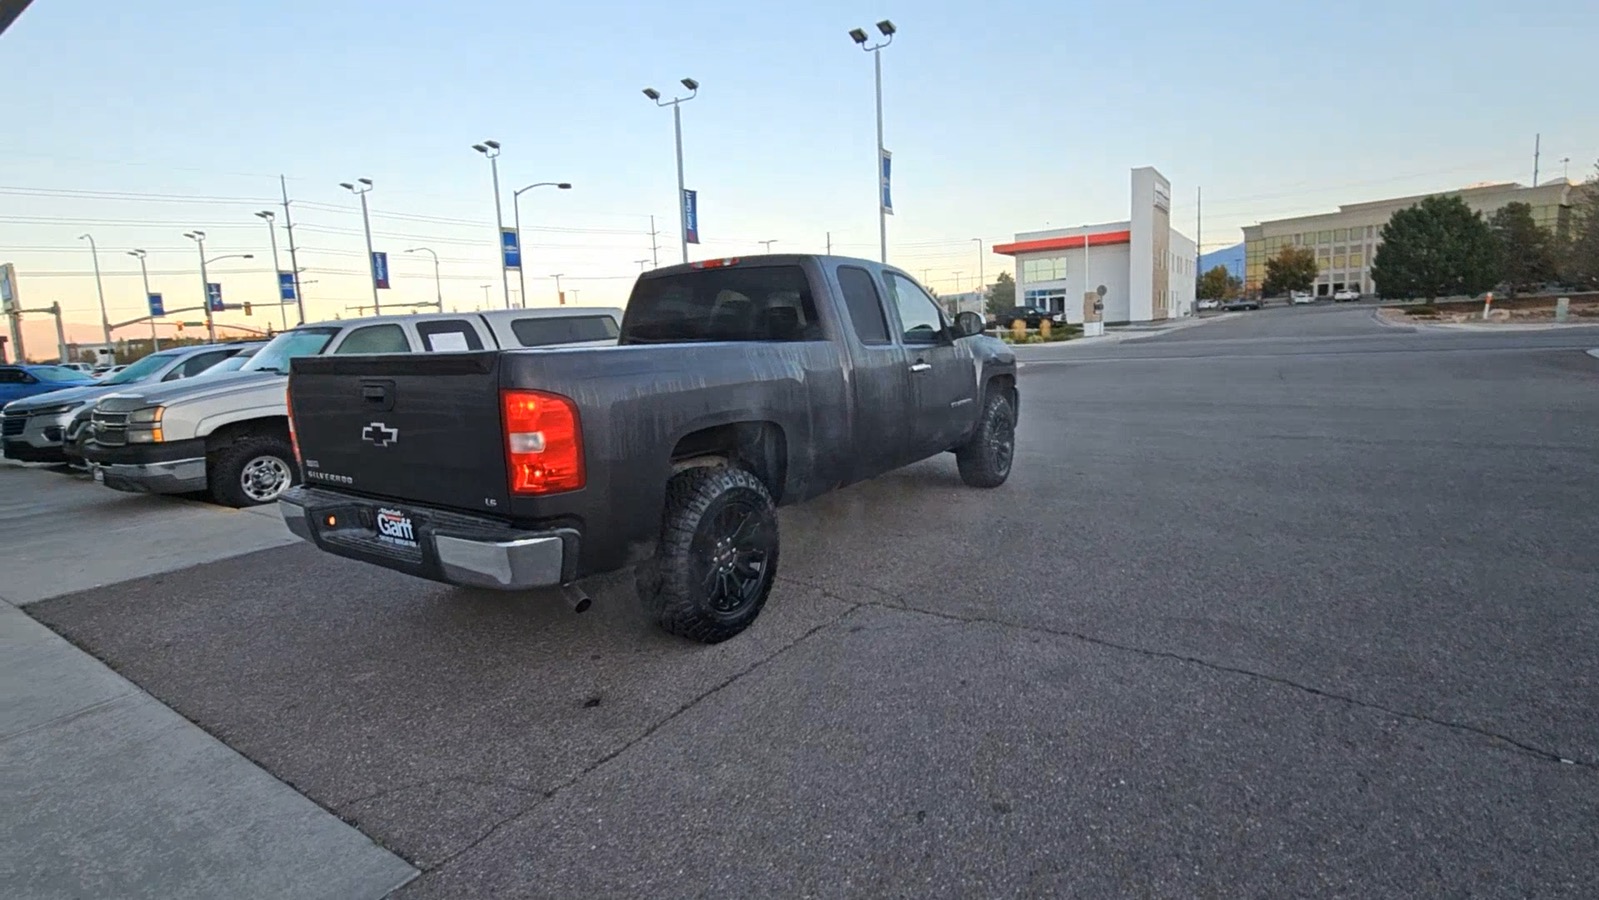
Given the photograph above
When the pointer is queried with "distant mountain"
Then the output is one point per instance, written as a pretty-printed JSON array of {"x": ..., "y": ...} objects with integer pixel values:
[{"x": 1231, "y": 257}]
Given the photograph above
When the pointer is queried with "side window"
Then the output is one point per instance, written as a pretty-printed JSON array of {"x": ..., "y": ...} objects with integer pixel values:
[
  {"x": 12, "y": 376},
  {"x": 199, "y": 363},
  {"x": 447, "y": 335},
  {"x": 918, "y": 314},
  {"x": 865, "y": 306},
  {"x": 384, "y": 338},
  {"x": 545, "y": 331}
]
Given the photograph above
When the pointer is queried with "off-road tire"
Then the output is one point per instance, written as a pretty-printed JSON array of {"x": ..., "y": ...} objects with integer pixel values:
[
  {"x": 985, "y": 460},
  {"x": 226, "y": 468},
  {"x": 681, "y": 588}
]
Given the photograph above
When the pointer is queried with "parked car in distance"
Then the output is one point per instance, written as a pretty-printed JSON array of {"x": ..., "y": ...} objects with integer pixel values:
[
  {"x": 1240, "y": 303},
  {"x": 1298, "y": 298},
  {"x": 229, "y": 434},
  {"x": 42, "y": 428},
  {"x": 1208, "y": 304},
  {"x": 1345, "y": 296},
  {"x": 85, "y": 368},
  {"x": 21, "y": 380},
  {"x": 1030, "y": 315},
  {"x": 738, "y": 385}
]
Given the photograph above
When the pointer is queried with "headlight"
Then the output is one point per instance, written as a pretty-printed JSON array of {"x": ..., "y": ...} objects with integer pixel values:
[
  {"x": 147, "y": 416},
  {"x": 144, "y": 436}
]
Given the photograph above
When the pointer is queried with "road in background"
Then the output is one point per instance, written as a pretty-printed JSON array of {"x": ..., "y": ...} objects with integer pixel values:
[{"x": 1254, "y": 616}]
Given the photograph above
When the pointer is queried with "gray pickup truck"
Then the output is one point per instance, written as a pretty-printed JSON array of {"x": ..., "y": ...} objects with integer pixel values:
[{"x": 737, "y": 386}]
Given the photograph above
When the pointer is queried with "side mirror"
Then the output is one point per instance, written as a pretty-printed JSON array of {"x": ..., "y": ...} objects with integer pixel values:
[{"x": 968, "y": 324}]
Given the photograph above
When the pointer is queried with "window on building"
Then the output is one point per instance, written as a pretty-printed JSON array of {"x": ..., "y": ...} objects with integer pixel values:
[
  {"x": 1044, "y": 268},
  {"x": 1339, "y": 261},
  {"x": 1371, "y": 230},
  {"x": 1049, "y": 301},
  {"x": 1357, "y": 260},
  {"x": 1341, "y": 235},
  {"x": 1324, "y": 237}
]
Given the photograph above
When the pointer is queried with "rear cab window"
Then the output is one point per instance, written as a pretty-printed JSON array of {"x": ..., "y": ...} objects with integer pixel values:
[
  {"x": 731, "y": 303},
  {"x": 448, "y": 336},
  {"x": 545, "y": 331}
]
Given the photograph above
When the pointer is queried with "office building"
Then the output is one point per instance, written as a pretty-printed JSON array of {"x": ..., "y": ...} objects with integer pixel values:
[
  {"x": 1145, "y": 265},
  {"x": 1346, "y": 241}
]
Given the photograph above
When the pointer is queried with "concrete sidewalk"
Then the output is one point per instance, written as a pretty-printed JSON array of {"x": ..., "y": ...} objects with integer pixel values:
[{"x": 106, "y": 792}]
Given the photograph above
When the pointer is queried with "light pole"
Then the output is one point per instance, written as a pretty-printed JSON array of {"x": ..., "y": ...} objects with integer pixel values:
[
  {"x": 105, "y": 323},
  {"x": 767, "y": 244},
  {"x": 144, "y": 270},
  {"x": 486, "y": 294},
  {"x": 277, "y": 288},
  {"x": 361, "y": 188},
  {"x": 642, "y": 264},
  {"x": 491, "y": 149},
  {"x": 516, "y": 213},
  {"x": 559, "y": 299},
  {"x": 859, "y": 36},
  {"x": 677, "y": 130},
  {"x": 438, "y": 287},
  {"x": 198, "y": 237},
  {"x": 980, "y": 284}
]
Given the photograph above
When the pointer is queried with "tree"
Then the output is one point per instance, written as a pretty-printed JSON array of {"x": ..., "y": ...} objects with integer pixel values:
[
  {"x": 1219, "y": 284},
  {"x": 1438, "y": 248},
  {"x": 1579, "y": 261},
  {"x": 1001, "y": 295},
  {"x": 1526, "y": 250},
  {"x": 1292, "y": 269}
]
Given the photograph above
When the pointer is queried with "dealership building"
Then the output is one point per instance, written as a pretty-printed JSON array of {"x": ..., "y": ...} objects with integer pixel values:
[
  {"x": 1145, "y": 266},
  {"x": 1346, "y": 241}
]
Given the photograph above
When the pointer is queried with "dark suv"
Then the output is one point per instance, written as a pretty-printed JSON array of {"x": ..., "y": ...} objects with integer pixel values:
[{"x": 1031, "y": 315}]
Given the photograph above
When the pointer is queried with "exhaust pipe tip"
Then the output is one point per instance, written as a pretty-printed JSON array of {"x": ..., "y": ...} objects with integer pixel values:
[{"x": 576, "y": 598}]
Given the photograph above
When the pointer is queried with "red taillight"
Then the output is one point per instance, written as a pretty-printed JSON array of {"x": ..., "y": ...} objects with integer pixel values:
[
  {"x": 714, "y": 263},
  {"x": 294, "y": 440},
  {"x": 543, "y": 442}
]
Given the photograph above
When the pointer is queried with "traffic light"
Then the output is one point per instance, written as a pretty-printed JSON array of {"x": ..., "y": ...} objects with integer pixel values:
[
  {"x": 180, "y": 327},
  {"x": 247, "y": 307}
]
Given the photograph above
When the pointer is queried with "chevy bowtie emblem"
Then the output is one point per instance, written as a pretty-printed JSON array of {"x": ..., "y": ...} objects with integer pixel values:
[{"x": 380, "y": 435}]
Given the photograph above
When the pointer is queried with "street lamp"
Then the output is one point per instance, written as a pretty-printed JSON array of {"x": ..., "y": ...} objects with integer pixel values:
[
  {"x": 642, "y": 264},
  {"x": 277, "y": 288},
  {"x": 982, "y": 298},
  {"x": 491, "y": 149},
  {"x": 767, "y": 244},
  {"x": 677, "y": 130},
  {"x": 105, "y": 323},
  {"x": 560, "y": 299},
  {"x": 516, "y": 213},
  {"x": 198, "y": 237},
  {"x": 486, "y": 294},
  {"x": 155, "y": 342},
  {"x": 438, "y": 288},
  {"x": 859, "y": 37},
  {"x": 361, "y": 188}
]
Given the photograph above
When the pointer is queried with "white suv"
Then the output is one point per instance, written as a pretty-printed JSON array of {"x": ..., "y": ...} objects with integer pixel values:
[{"x": 1345, "y": 295}]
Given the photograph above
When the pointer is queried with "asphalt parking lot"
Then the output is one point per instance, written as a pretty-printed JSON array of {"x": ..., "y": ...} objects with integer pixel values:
[{"x": 1291, "y": 603}]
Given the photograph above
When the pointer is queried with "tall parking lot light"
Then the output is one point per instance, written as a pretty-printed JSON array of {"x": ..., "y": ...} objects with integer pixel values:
[
  {"x": 361, "y": 188},
  {"x": 677, "y": 131},
  {"x": 491, "y": 149},
  {"x": 858, "y": 35}
]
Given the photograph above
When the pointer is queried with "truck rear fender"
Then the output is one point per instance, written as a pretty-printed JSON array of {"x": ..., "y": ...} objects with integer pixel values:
[{"x": 760, "y": 447}]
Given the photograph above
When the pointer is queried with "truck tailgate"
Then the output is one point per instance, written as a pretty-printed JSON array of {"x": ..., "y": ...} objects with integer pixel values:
[{"x": 418, "y": 427}]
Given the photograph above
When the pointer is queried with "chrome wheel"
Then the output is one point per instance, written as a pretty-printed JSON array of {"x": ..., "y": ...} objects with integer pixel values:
[{"x": 264, "y": 478}]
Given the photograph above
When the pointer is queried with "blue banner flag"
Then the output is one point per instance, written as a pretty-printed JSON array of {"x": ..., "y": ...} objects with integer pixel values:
[
  {"x": 380, "y": 269},
  {"x": 213, "y": 297},
  {"x": 888, "y": 201},
  {"x": 285, "y": 285},
  {"x": 157, "y": 308},
  {"x": 691, "y": 216},
  {"x": 510, "y": 248}
]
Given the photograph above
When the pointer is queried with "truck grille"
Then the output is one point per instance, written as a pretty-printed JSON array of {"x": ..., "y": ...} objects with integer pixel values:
[
  {"x": 13, "y": 424},
  {"x": 110, "y": 428}
]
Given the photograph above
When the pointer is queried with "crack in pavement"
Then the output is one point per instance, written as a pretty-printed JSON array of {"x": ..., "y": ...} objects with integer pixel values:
[
  {"x": 662, "y": 723},
  {"x": 905, "y": 605}
]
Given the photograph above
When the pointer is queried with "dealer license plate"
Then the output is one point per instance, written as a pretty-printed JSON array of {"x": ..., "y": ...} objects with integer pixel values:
[
  {"x": 394, "y": 527},
  {"x": 99, "y": 475}
]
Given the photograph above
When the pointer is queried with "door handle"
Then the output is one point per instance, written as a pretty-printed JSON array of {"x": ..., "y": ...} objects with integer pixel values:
[{"x": 921, "y": 367}]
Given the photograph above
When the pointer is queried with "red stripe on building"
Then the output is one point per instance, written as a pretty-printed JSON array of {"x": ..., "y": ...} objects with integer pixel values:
[{"x": 1064, "y": 243}]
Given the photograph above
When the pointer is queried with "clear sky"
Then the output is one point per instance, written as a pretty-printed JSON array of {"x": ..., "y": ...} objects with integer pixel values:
[{"x": 1004, "y": 116}]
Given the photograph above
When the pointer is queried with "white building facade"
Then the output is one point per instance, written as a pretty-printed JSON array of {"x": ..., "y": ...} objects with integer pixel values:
[{"x": 1146, "y": 267}]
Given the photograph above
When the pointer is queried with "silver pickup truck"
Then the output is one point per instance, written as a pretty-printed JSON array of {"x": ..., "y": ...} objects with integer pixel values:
[{"x": 228, "y": 435}]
